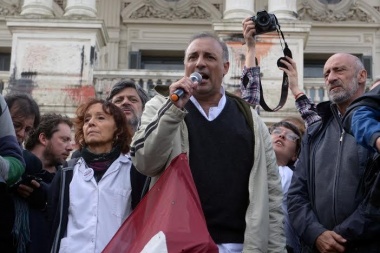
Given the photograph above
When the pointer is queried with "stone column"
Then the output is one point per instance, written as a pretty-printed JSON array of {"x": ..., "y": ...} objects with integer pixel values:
[
  {"x": 37, "y": 8},
  {"x": 81, "y": 8},
  {"x": 239, "y": 9},
  {"x": 283, "y": 9}
]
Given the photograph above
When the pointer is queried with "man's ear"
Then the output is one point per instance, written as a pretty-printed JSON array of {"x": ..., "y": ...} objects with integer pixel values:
[
  {"x": 362, "y": 76},
  {"x": 226, "y": 66},
  {"x": 42, "y": 139}
]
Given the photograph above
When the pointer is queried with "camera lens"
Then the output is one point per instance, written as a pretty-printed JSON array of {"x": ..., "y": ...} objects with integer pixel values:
[{"x": 263, "y": 20}]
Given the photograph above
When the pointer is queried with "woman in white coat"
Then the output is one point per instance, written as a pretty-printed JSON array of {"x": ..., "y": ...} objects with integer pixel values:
[{"x": 92, "y": 198}]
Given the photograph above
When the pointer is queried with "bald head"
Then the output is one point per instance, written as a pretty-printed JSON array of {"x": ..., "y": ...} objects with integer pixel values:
[{"x": 345, "y": 79}]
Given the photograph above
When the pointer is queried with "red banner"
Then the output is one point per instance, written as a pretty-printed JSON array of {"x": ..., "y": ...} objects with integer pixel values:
[{"x": 168, "y": 219}]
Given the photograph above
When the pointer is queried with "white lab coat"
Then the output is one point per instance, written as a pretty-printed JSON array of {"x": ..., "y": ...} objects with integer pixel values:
[{"x": 97, "y": 210}]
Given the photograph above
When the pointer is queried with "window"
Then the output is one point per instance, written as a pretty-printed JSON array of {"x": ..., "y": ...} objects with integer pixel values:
[
  {"x": 161, "y": 63},
  {"x": 314, "y": 63},
  {"x": 156, "y": 60},
  {"x": 5, "y": 61}
]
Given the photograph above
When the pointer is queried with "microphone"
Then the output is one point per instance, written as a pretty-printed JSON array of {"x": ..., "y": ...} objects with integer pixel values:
[{"x": 194, "y": 77}]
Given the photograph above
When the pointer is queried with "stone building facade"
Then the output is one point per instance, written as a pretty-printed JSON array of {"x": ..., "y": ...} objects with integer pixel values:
[{"x": 64, "y": 51}]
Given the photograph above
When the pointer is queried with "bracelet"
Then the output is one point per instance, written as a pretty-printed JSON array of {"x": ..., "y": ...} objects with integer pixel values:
[{"x": 298, "y": 95}]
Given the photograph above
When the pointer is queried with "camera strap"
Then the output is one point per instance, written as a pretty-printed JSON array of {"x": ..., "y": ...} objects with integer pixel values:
[{"x": 285, "y": 81}]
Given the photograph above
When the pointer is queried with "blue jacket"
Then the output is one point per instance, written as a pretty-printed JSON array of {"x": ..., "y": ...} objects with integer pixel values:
[
  {"x": 328, "y": 186},
  {"x": 362, "y": 118}
]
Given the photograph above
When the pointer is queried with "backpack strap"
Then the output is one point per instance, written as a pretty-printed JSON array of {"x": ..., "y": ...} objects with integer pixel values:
[{"x": 245, "y": 108}]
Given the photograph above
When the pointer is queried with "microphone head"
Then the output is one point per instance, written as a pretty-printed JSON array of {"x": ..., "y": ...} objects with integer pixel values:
[{"x": 196, "y": 77}]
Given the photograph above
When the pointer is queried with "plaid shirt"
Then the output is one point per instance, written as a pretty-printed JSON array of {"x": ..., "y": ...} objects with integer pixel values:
[
  {"x": 307, "y": 109},
  {"x": 250, "y": 85},
  {"x": 250, "y": 90}
]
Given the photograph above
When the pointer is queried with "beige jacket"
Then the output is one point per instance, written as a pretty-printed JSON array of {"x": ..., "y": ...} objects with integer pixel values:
[{"x": 163, "y": 135}]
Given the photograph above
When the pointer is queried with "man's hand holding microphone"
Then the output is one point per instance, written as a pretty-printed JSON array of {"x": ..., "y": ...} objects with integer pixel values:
[{"x": 182, "y": 90}]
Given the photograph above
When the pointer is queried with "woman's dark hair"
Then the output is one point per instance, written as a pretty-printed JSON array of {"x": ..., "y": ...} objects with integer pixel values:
[
  {"x": 23, "y": 105},
  {"x": 123, "y": 136},
  {"x": 292, "y": 128}
]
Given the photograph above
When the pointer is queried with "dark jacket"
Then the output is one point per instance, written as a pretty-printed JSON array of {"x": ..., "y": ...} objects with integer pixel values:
[
  {"x": 362, "y": 120},
  {"x": 31, "y": 207},
  {"x": 58, "y": 200},
  {"x": 328, "y": 186},
  {"x": 38, "y": 223}
]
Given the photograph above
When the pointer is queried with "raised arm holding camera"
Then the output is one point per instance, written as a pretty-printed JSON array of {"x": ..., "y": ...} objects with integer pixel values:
[
  {"x": 250, "y": 78},
  {"x": 285, "y": 148}
]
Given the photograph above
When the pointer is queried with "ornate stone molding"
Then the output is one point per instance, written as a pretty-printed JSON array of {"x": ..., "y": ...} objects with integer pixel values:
[
  {"x": 168, "y": 10},
  {"x": 332, "y": 13},
  {"x": 150, "y": 11},
  {"x": 9, "y": 8}
]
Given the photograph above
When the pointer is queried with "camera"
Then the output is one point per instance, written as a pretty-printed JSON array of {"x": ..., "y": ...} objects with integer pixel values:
[
  {"x": 26, "y": 180},
  {"x": 264, "y": 22}
]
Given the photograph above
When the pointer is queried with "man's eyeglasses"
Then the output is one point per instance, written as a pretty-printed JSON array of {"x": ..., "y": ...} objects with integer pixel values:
[{"x": 289, "y": 136}]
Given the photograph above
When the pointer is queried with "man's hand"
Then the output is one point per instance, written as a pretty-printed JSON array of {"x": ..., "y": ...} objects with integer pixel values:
[
  {"x": 188, "y": 87},
  {"x": 291, "y": 71},
  {"x": 249, "y": 33},
  {"x": 329, "y": 241},
  {"x": 25, "y": 191}
]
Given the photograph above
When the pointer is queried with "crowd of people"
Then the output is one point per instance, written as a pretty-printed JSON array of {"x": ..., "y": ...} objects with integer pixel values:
[{"x": 305, "y": 184}]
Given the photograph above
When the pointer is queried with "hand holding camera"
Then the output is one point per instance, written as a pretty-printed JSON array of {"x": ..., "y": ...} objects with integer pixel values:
[
  {"x": 26, "y": 185},
  {"x": 265, "y": 22}
]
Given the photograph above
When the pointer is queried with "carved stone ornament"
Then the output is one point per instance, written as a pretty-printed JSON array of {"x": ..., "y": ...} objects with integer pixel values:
[
  {"x": 342, "y": 11},
  {"x": 330, "y": 1},
  {"x": 9, "y": 8},
  {"x": 172, "y": 11}
]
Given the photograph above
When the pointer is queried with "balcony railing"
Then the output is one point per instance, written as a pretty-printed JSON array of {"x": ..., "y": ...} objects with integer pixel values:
[{"x": 104, "y": 80}]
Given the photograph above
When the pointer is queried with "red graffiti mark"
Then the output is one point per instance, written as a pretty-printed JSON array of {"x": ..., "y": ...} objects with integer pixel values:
[
  {"x": 262, "y": 49},
  {"x": 80, "y": 94}
]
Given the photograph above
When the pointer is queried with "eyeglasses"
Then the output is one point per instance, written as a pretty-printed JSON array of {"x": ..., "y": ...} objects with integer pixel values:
[{"x": 289, "y": 136}]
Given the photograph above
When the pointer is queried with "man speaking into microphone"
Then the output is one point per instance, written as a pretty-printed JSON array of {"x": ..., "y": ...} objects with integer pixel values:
[{"x": 230, "y": 153}]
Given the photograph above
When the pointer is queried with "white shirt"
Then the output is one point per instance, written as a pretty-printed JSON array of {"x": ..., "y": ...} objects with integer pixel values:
[
  {"x": 213, "y": 111},
  {"x": 286, "y": 174},
  {"x": 97, "y": 210}
]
